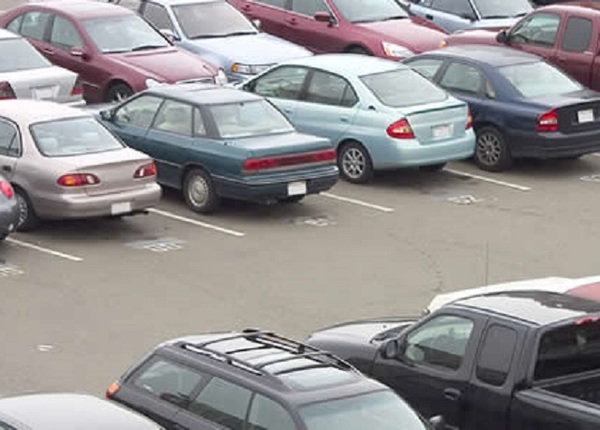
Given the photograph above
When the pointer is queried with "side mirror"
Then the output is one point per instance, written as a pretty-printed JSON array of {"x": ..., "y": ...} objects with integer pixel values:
[
  {"x": 256, "y": 23},
  {"x": 502, "y": 37},
  {"x": 107, "y": 115},
  {"x": 390, "y": 349},
  {"x": 78, "y": 51},
  {"x": 169, "y": 34},
  {"x": 437, "y": 423},
  {"x": 323, "y": 17}
]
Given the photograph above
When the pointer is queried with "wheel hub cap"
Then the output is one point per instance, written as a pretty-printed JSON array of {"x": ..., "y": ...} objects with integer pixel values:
[
  {"x": 488, "y": 149},
  {"x": 353, "y": 163},
  {"x": 198, "y": 191}
]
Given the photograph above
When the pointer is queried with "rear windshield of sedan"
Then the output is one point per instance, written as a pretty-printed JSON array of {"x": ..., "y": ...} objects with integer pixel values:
[
  {"x": 370, "y": 10},
  {"x": 539, "y": 79},
  {"x": 73, "y": 136},
  {"x": 403, "y": 87},
  {"x": 212, "y": 19},
  {"x": 246, "y": 119},
  {"x": 17, "y": 54}
]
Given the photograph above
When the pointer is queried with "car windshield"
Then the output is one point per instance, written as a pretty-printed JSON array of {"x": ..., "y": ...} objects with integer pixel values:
[
  {"x": 126, "y": 33},
  {"x": 403, "y": 87},
  {"x": 18, "y": 54},
  {"x": 382, "y": 410},
  {"x": 539, "y": 79},
  {"x": 370, "y": 10},
  {"x": 73, "y": 136},
  {"x": 503, "y": 8},
  {"x": 251, "y": 118},
  {"x": 212, "y": 19}
]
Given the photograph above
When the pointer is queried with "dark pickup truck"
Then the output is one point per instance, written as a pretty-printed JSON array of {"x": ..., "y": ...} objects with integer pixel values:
[{"x": 524, "y": 360}]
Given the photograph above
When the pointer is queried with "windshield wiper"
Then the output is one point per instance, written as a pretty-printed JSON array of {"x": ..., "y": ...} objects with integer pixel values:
[
  {"x": 496, "y": 16},
  {"x": 147, "y": 47},
  {"x": 394, "y": 17},
  {"x": 215, "y": 36}
]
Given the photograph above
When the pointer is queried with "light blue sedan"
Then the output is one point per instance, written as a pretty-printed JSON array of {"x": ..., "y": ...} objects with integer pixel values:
[{"x": 379, "y": 114}]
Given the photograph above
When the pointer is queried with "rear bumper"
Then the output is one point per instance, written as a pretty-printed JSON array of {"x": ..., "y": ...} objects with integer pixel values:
[
  {"x": 9, "y": 217},
  {"x": 85, "y": 206},
  {"x": 554, "y": 145}
]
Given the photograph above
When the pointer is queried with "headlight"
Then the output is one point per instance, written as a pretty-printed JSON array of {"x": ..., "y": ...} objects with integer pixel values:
[
  {"x": 249, "y": 69},
  {"x": 397, "y": 51},
  {"x": 152, "y": 83},
  {"x": 221, "y": 77}
]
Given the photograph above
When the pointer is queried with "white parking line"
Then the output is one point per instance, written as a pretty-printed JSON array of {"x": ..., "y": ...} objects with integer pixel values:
[
  {"x": 596, "y": 154},
  {"x": 357, "y": 202},
  {"x": 43, "y": 249},
  {"x": 196, "y": 222},
  {"x": 490, "y": 180}
]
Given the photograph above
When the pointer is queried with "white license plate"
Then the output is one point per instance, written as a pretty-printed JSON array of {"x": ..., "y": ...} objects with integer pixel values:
[
  {"x": 120, "y": 208},
  {"x": 43, "y": 93},
  {"x": 441, "y": 131},
  {"x": 296, "y": 188},
  {"x": 585, "y": 116}
]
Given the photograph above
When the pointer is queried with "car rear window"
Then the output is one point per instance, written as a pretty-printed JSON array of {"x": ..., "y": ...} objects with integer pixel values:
[
  {"x": 73, "y": 136},
  {"x": 403, "y": 87},
  {"x": 17, "y": 54},
  {"x": 246, "y": 119},
  {"x": 539, "y": 79}
]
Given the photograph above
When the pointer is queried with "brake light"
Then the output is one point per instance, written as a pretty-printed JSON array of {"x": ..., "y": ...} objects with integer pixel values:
[
  {"x": 112, "y": 389},
  {"x": 547, "y": 122},
  {"x": 401, "y": 130},
  {"x": 7, "y": 190},
  {"x": 6, "y": 91},
  {"x": 145, "y": 171},
  {"x": 586, "y": 320},
  {"x": 257, "y": 164},
  {"x": 78, "y": 180},
  {"x": 77, "y": 88},
  {"x": 469, "y": 120}
]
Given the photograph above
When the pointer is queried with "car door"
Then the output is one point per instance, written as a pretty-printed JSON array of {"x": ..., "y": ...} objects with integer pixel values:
[
  {"x": 537, "y": 34},
  {"x": 131, "y": 120},
  {"x": 303, "y": 29},
  {"x": 270, "y": 13},
  {"x": 575, "y": 52},
  {"x": 10, "y": 148}
]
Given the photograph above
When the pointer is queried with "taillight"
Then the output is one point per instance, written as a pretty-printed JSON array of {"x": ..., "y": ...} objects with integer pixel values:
[
  {"x": 7, "y": 190},
  {"x": 77, "y": 88},
  {"x": 547, "y": 122},
  {"x": 78, "y": 180},
  {"x": 6, "y": 91},
  {"x": 401, "y": 130},
  {"x": 112, "y": 389},
  {"x": 145, "y": 171},
  {"x": 256, "y": 164},
  {"x": 469, "y": 120}
]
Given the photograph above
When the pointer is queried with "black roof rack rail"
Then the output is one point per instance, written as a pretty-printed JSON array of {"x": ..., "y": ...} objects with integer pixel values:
[{"x": 226, "y": 358}]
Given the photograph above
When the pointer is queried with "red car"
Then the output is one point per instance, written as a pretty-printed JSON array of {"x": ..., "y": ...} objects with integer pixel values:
[
  {"x": 114, "y": 51},
  {"x": 374, "y": 27}
]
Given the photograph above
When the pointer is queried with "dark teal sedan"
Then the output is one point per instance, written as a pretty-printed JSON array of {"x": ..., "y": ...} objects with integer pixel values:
[{"x": 213, "y": 142}]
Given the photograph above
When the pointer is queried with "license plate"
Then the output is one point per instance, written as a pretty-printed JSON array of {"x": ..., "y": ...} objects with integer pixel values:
[
  {"x": 43, "y": 93},
  {"x": 584, "y": 116},
  {"x": 120, "y": 208},
  {"x": 296, "y": 188},
  {"x": 441, "y": 131}
]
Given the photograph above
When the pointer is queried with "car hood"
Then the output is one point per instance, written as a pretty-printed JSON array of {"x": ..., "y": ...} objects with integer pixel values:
[
  {"x": 166, "y": 64},
  {"x": 405, "y": 32},
  {"x": 482, "y": 37},
  {"x": 259, "y": 49}
]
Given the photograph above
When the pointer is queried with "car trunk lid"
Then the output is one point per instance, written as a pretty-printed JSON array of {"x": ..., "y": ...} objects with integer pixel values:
[
  {"x": 48, "y": 83},
  {"x": 437, "y": 123}
]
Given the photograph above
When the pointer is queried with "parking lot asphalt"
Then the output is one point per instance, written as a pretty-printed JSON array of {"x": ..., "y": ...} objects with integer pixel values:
[{"x": 83, "y": 300}]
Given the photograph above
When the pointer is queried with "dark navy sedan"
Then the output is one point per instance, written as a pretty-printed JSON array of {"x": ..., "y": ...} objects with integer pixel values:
[{"x": 522, "y": 106}]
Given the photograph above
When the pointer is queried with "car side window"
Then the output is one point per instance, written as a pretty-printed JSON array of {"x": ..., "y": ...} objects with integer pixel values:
[
  {"x": 540, "y": 29},
  {"x": 34, "y": 24},
  {"x": 440, "y": 342},
  {"x": 329, "y": 89},
  {"x": 133, "y": 5},
  {"x": 223, "y": 403},
  {"x": 268, "y": 414},
  {"x": 199, "y": 127},
  {"x": 496, "y": 355},
  {"x": 158, "y": 16},
  {"x": 283, "y": 83},
  {"x": 578, "y": 34},
  {"x": 174, "y": 117},
  {"x": 169, "y": 381},
  {"x": 428, "y": 67},
  {"x": 10, "y": 141},
  {"x": 4, "y": 426},
  {"x": 140, "y": 111},
  {"x": 64, "y": 34},
  {"x": 15, "y": 24},
  {"x": 463, "y": 78},
  {"x": 309, "y": 7},
  {"x": 281, "y": 4},
  {"x": 460, "y": 8}
]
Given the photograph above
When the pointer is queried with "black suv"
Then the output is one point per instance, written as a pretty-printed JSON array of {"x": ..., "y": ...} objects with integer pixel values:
[{"x": 255, "y": 380}]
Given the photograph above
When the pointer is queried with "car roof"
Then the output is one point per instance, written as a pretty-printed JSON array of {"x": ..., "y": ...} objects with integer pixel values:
[
  {"x": 26, "y": 111},
  {"x": 495, "y": 56},
  {"x": 5, "y": 34},
  {"x": 66, "y": 411},
  {"x": 359, "y": 65},
  {"x": 534, "y": 307},
  {"x": 591, "y": 7},
  {"x": 203, "y": 94},
  {"x": 83, "y": 9}
]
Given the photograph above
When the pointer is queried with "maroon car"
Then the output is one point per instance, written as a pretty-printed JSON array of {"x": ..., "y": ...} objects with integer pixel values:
[
  {"x": 375, "y": 27},
  {"x": 115, "y": 52}
]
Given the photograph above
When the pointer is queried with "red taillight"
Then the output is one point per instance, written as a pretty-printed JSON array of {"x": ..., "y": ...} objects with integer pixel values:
[
  {"x": 6, "y": 91},
  {"x": 469, "y": 120},
  {"x": 145, "y": 171},
  {"x": 586, "y": 320},
  {"x": 547, "y": 122},
  {"x": 77, "y": 88},
  {"x": 7, "y": 190},
  {"x": 256, "y": 164},
  {"x": 112, "y": 389},
  {"x": 78, "y": 180},
  {"x": 401, "y": 130}
]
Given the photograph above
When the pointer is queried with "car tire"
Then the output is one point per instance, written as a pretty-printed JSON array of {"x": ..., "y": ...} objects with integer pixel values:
[
  {"x": 292, "y": 199},
  {"x": 28, "y": 219},
  {"x": 199, "y": 191},
  {"x": 491, "y": 151},
  {"x": 433, "y": 167},
  {"x": 358, "y": 50},
  {"x": 354, "y": 163},
  {"x": 3, "y": 236},
  {"x": 118, "y": 92}
]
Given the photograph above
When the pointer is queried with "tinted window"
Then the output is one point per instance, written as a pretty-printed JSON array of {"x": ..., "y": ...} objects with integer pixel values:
[
  {"x": 460, "y": 8},
  {"x": 502, "y": 8},
  {"x": 174, "y": 117},
  {"x": 403, "y": 87},
  {"x": 577, "y": 34},
  {"x": 496, "y": 355},
  {"x": 15, "y": 24},
  {"x": 206, "y": 19},
  {"x": 158, "y": 16},
  {"x": 18, "y": 54},
  {"x": 539, "y": 79},
  {"x": 370, "y": 10},
  {"x": 255, "y": 118},
  {"x": 64, "y": 34},
  {"x": 540, "y": 29},
  {"x": 463, "y": 78},
  {"x": 129, "y": 4},
  {"x": 169, "y": 381},
  {"x": 281, "y": 83},
  {"x": 34, "y": 24},
  {"x": 9, "y": 139},
  {"x": 265, "y": 414},
  {"x": 440, "y": 342},
  {"x": 309, "y": 7},
  {"x": 275, "y": 3},
  {"x": 140, "y": 111},
  {"x": 428, "y": 67},
  {"x": 223, "y": 403},
  {"x": 329, "y": 89}
]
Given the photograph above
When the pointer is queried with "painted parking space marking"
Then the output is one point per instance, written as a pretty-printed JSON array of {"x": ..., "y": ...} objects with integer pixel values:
[
  {"x": 357, "y": 202},
  {"x": 196, "y": 222},
  {"x": 596, "y": 154},
  {"x": 8, "y": 270},
  {"x": 591, "y": 178},
  {"x": 314, "y": 221},
  {"x": 164, "y": 244},
  {"x": 490, "y": 180},
  {"x": 43, "y": 249},
  {"x": 464, "y": 199}
]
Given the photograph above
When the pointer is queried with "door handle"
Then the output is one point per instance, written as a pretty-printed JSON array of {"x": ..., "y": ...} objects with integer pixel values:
[
  {"x": 287, "y": 110},
  {"x": 344, "y": 118},
  {"x": 48, "y": 50},
  {"x": 292, "y": 21},
  {"x": 452, "y": 394},
  {"x": 246, "y": 7},
  {"x": 7, "y": 168},
  {"x": 429, "y": 17}
]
